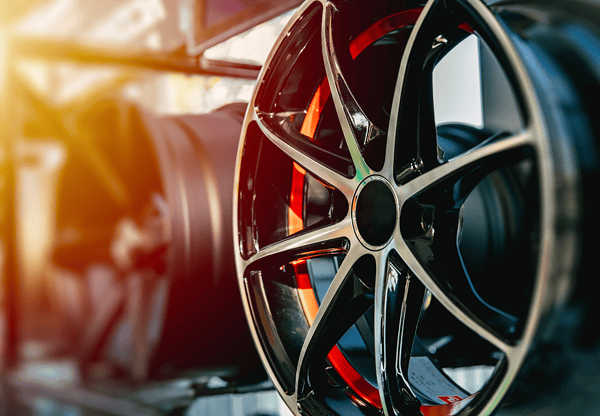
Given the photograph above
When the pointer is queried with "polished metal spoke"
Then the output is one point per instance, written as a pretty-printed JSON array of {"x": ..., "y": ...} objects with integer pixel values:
[
  {"x": 450, "y": 302},
  {"x": 357, "y": 128},
  {"x": 489, "y": 155},
  {"x": 312, "y": 165},
  {"x": 398, "y": 302},
  {"x": 412, "y": 140},
  {"x": 305, "y": 241},
  {"x": 345, "y": 302}
]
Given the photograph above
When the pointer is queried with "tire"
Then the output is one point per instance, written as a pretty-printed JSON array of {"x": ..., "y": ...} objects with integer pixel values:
[{"x": 379, "y": 251}]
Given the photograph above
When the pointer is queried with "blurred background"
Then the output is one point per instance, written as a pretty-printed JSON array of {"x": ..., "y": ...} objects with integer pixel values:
[{"x": 102, "y": 240}]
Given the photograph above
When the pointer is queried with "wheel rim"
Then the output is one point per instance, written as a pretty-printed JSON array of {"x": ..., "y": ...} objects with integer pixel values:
[{"x": 395, "y": 273}]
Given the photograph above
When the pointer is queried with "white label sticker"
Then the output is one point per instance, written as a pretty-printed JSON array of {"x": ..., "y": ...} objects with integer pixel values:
[{"x": 425, "y": 377}]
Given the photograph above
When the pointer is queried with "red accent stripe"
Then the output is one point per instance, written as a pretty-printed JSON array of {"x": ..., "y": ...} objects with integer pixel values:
[
  {"x": 305, "y": 290},
  {"x": 355, "y": 381},
  {"x": 382, "y": 28},
  {"x": 467, "y": 27},
  {"x": 313, "y": 114},
  {"x": 295, "y": 222}
]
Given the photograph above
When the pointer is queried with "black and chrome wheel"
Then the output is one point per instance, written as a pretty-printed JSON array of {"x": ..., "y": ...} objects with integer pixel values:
[{"x": 381, "y": 252}]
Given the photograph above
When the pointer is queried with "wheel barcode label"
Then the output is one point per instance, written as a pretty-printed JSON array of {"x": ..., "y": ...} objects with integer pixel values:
[{"x": 432, "y": 383}]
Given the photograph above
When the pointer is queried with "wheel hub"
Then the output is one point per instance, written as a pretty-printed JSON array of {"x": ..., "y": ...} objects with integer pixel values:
[{"x": 374, "y": 212}]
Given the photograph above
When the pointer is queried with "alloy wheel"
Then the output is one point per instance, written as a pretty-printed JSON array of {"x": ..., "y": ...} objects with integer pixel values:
[{"x": 377, "y": 249}]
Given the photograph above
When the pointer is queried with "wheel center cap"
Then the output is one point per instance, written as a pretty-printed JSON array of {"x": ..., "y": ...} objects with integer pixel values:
[{"x": 374, "y": 212}]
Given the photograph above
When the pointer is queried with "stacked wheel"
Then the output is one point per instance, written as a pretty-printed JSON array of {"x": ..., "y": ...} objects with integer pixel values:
[
  {"x": 379, "y": 251},
  {"x": 146, "y": 289}
]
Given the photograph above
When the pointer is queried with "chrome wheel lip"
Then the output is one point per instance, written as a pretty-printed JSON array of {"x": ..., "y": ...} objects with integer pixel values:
[{"x": 541, "y": 304}]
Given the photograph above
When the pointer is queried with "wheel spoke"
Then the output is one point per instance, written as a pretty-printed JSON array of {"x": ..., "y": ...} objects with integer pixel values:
[
  {"x": 305, "y": 241},
  {"x": 433, "y": 254},
  {"x": 412, "y": 122},
  {"x": 347, "y": 299},
  {"x": 412, "y": 144},
  {"x": 453, "y": 303},
  {"x": 313, "y": 165},
  {"x": 398, "y": 302},
  {"x": 357, "y": 128},
  {"x": 492, "y": 154}
]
